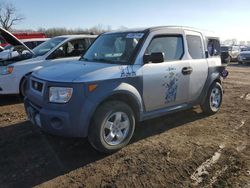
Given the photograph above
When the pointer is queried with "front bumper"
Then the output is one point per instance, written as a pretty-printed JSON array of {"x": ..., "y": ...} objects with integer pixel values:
[
  {"x": 9, "y": 84},
  {"x": 69, "y": 120},
  {"x": 54, "y": 122}
]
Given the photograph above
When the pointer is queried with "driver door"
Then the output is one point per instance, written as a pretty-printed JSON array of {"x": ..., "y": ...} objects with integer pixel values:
[{"x": 164, "y": 84}]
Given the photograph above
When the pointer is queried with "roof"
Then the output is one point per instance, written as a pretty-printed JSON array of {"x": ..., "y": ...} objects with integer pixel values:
[
  {"x": 150, "y": 29},
  {"x": 78, "y": 36},
  {"x": 34, "y": 39}
]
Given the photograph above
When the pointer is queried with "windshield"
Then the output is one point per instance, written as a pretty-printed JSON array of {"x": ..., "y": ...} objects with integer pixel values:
[
  {"x": 47, "y": 46},
  {"x": 115, "y": 48}
]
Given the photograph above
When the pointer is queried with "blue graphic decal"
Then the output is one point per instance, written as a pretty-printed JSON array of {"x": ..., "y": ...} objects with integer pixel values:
[
  {"x": 127, "y": 71},
  {"x": 171, "y": 84}
]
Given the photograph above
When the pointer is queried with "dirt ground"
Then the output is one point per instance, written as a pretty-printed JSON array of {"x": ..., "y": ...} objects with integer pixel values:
[{"x": 186, "y": 149}]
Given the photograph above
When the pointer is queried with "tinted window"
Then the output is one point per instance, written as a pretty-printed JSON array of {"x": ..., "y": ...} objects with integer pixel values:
[
  {"x": 213, "y": 47},
  {"x": 171, "y": 46},
  {"x": 195, "y": 47},
  {"x": 30, "y": 45},
  {"x": 71, "y": 48},
  {"x": 74, "y": 48}
]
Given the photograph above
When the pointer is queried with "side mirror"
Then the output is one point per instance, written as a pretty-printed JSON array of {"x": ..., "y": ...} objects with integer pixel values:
[{"x": 157, "y": 57}]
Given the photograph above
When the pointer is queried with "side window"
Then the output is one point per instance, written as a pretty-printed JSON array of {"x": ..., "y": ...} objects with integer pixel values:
[
  {"x": 213, "y": 47},
  {"x": 29, "y": 44},
  {"x": 171, "y": 46},
  {"x": 75, "y": 48},
  {"x": 195, "y": 48},
  {"x": 91, "y": 40},
  {"x": 72, "y": 48}
]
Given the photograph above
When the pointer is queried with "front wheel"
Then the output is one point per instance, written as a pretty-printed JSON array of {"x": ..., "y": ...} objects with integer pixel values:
[
  {"x": 112, "y": 127},
  {"x": 213, "y": 100},
  {"x": 22, "y": 87}
]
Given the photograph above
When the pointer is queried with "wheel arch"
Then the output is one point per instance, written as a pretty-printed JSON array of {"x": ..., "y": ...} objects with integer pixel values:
[
  {"x": 214, "y": 77},
  {"x": 22, "y": 78},
  {"x": 125, "y": 93}
]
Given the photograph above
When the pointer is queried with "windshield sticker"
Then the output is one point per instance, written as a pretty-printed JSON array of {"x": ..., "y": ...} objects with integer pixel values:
[
  {"x": 171, "y": 84},
  {"x": 135, "y": 35},
  {"x": 127, "y": 71}
]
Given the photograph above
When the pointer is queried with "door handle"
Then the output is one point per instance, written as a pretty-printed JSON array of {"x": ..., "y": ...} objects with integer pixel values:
[{"x": 187, "y": 70}]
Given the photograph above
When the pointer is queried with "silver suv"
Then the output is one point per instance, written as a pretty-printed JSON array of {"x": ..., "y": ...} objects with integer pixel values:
[{"x": 126, "y": 77}]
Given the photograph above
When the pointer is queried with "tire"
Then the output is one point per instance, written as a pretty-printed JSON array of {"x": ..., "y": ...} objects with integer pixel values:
[
  {"x": 112, "y": 120},
  {"x": 213, "y": 99},
  {"x": 22, "y": 87},
  {"x": 240, "y": 62}
]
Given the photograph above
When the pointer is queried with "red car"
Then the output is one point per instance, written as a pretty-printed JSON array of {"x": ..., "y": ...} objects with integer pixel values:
[{"x": 26, "y": 35}]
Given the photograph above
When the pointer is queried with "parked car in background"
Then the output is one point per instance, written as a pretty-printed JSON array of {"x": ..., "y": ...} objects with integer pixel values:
[
  {"x": 244, "y": 56},
  {"x": 13, "y": 71},
  {"x": 32, "y": 43},
  {"x": 125, "y": 77},
  {"x": 11, "y": 51},
  {"x": 230, "y": 53},
  {"x": 22, "y": 36}
]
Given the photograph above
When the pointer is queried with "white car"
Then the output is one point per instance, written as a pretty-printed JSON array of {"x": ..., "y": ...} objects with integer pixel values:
[
  {"x": 13, "y": 71},
  {"x": 1, "y": 48}
]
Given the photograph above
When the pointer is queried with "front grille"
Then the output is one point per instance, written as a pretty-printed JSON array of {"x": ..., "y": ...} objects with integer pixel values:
[{"x": 37, "y": 85}]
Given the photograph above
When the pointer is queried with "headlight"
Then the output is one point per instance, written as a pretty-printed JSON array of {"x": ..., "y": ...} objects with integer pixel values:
[
  {"x": 60, "y": 94},
  {"x": 6, "y": 70}
]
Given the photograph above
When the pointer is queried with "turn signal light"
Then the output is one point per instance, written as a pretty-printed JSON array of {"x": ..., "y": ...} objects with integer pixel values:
[{"x": 92, "y": 87}]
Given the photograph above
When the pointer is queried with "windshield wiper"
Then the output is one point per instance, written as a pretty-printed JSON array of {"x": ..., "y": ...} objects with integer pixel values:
[
  {"x": 105, "y": 61},
  {"x": 84, "y": 59}
]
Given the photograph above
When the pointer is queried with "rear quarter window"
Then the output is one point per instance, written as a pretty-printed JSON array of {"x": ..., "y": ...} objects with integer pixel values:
[{"x": 195, "y": 47}]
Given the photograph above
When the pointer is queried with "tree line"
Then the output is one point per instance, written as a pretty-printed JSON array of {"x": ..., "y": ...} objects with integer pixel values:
[{"x": 9, "y": 17}]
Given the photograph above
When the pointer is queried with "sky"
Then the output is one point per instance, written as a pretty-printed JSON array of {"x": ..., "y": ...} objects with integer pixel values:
[{"x": 230, "y": 19}]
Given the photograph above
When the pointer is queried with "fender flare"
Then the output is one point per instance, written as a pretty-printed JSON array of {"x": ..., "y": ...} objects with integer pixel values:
[
  {"x": 122, "y": 89},
  {"x": 210, "y": 80}
]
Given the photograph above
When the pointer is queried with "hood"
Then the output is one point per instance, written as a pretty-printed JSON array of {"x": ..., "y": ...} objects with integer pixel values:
[
  {"x": 77, "y": 71},
  {"x": 11, "y": 39}
]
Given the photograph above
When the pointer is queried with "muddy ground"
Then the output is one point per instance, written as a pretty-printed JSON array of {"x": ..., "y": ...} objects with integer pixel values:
[{"x": 186, "y": 149}]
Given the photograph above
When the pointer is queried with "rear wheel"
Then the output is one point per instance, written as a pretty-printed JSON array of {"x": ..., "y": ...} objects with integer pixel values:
[
  {"x": 213, "y": 100},
  {"x": 112, "y": 127}
]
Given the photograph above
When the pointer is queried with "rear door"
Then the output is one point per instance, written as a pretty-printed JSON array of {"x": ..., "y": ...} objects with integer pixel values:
[{"x": 198, "y": 64}]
